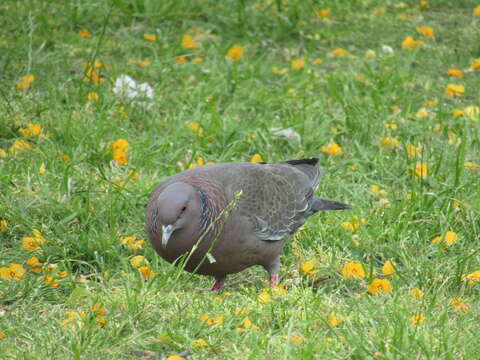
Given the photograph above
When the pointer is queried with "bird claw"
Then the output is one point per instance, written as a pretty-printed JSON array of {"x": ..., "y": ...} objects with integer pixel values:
[
  {"x": 273, "y": 280},
  {"x": 218, "y": 285}
]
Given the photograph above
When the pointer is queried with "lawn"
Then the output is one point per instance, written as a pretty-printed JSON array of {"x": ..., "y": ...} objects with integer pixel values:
[{"x": 102, "y": 100}]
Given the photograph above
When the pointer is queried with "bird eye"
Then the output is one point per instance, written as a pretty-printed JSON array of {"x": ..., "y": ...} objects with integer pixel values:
[{"x": 184, "y": 207}]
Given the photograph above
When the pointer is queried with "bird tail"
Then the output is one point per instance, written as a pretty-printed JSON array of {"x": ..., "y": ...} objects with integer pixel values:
[{"x": 320, "y": 204}]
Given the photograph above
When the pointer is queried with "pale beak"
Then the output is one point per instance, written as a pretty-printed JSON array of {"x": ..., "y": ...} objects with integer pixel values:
[{"x": 167, "y": 232}]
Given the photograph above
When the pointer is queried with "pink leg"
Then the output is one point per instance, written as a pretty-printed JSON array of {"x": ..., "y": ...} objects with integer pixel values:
[
  {"x": 273, "y": 280},
  {"x": 218, "y": 284}
]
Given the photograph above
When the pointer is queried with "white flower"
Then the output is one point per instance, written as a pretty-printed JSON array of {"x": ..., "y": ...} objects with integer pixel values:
[
  {"x": 145, "y": 90},
  {"x": 288, "y": 133},
  {"x": 387, "y": 50},
  {"x": 126, "y": 86}
]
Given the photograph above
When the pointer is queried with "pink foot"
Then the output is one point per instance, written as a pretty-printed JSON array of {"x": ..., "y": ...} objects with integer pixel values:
[
  {"x": 273, "y": 280},
  {"x": 218, "y": 284}
]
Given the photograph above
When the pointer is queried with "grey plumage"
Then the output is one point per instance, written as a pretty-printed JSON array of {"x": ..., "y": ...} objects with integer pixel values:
[{"x": 276, "y": 199}]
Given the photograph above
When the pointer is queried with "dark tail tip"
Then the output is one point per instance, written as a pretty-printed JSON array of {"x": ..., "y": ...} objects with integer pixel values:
[
  {"x": 321, "y": 204},
  {"x": 310, "y": 161}
]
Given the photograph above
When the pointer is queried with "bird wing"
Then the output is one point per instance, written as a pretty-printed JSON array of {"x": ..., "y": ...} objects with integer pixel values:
[{"x": 277, "y": 197}]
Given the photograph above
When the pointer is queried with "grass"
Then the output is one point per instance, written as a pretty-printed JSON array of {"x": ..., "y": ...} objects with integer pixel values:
[{"x": 85, "y": 204}]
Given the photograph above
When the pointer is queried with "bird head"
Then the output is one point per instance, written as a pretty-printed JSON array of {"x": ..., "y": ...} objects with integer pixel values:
[{"x": 177, "y": 207}]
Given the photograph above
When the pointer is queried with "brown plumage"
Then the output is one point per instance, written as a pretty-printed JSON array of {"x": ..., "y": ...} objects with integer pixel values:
[{"x": 187, "y": 210}]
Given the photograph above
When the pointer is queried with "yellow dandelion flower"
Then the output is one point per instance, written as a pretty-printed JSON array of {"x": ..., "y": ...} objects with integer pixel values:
[
  {"x": 93, "y": 76},
  {"x": 235, "y": 53},
  {"x": 422, "y": 113},
  {"x": 334, "y": 320},
  {"x": 379, "y": 286},
  {"x": 13, "y": 272},
  {"x": 457, "y": 112},
  {"x": 353, "y": 270},
  {"x": 3, "y": 153},
  {"x": 471, "y": 278},
  {"x": 142, "y": 63},
  {"x": 426, "y": 31},
  {"x": 247, "y": 323},
  {"x": 459, "y": 305},
  {"x": 424, "y": 3},
  {"x": 120, "y": 157},
  {"x": 298, "y": 64},
  {"x": 95, "y": 64},
  {"x": 93, "y": 96},
  {"x": 138, "y": 261},
  {"x": 146, "y": 272},
  {"x": 475, "y": 64},
  {"x": 84, "y": 34},
  {"x": 416, "y": 293},
  {"x": 25, "y": 82},
  {"x": 33, "y": 243},
  {"x": 414, "y": 151},
  {"x": 65, "y": 158},
  {"x": 257, "y": 158},
  {"x": 332, "y": 149},
  {"x": 175, "y": 357},
  {"x": 376, "y": 190},
  {"x": 389, "y": 267},
  {"x": 455, "y": 72},
  {"x": 180, "y": 59},
  {"x": 476, "y": 10},
  {"x": 410, "y": 43},
  {"x": 31, "y": 130},
  {"x": 337, "y": 52},
  {"x": 421, "y": 170},
  {"x": 417, "y": 319},
  {"x": 216, "y": 321},
  {"x": 468, "y": 164},
  {"x": 2, "y": 335},
  {"x": 98, "y": 309},
  {"x": 197, "y": 60},
  {"x": 388, "y": 142},
  {"x": 150, "y": 37},
  {"x": 450, "y": 238},
  {"x": 3, "y": 225},
  {"x": 194, "y": 126},
  {"x": 317, "y": 61},
  {"x": 204, "y": 317},
  {"x": 264, "y": 297},
  {"x": 297, "y": 339},
  {"x": 323, "y": 14},
  {"x": 102, "y": 321},
  {"x": 395, "y": 109},
  {"x": 200, "y": 342},
  {"x": 120, "y": 144},
  {"x": 242, "y": 311},
  {"x": 49, "y": 280},
  {"x": 42, "y": 169},
  {"x": 71, "y": 316},
  {"x": 308, "y": 268},
  {"x": 354, "y": 225},
  {"x": 189, "y": 42},
  {"x": 454, "y": 90},
  {"x": 132, "y": 243}
]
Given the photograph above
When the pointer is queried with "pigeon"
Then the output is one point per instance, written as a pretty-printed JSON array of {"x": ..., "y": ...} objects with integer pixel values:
[{"x": 220, "y": 219}]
